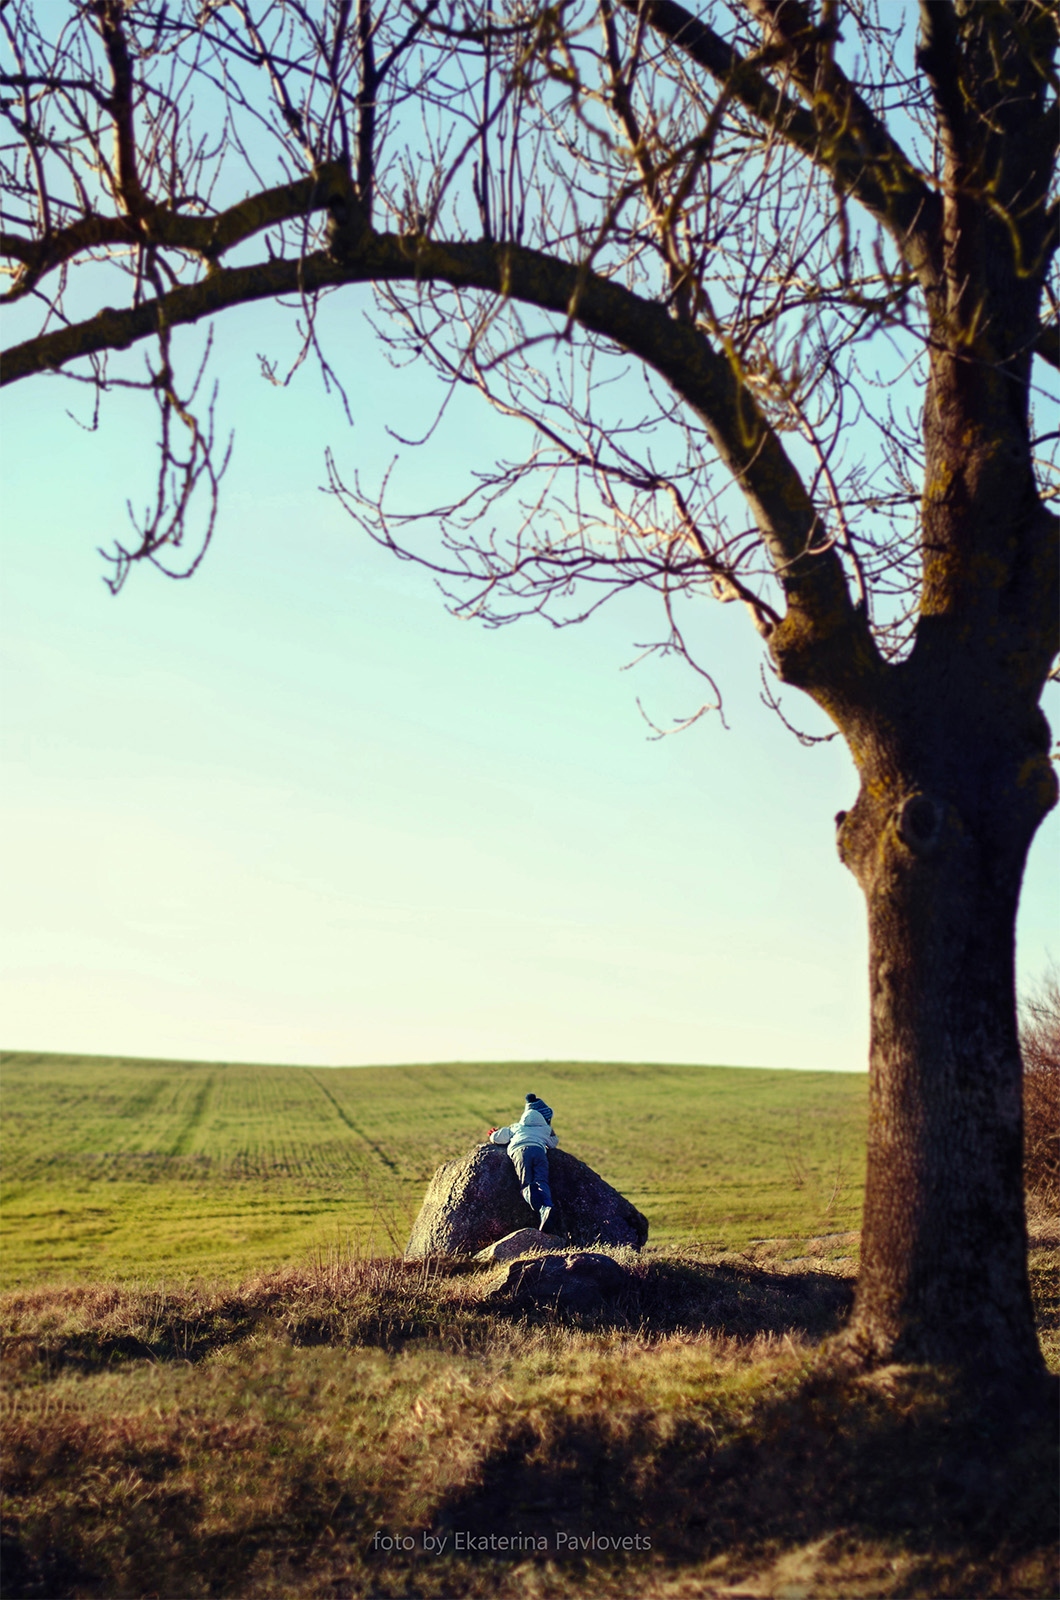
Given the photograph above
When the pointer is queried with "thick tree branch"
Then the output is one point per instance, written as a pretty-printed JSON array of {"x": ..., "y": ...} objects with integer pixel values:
[
  {"x": 16, "y": 247},
  {"x": 206, "y": 237},
  {"x": 840, "y": 133},
  {"x": 806, "y": 564},
  {"x": 41, "y": 256},
  {"x": 366, "y": 106},
  {"x": 1047, "y": 345},
  {"x": 109, "y": 15},
  {"x": 938, "y": 57}
]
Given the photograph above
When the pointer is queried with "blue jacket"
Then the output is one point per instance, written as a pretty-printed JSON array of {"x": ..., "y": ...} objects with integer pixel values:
[{"x": 530, "y": 1129}]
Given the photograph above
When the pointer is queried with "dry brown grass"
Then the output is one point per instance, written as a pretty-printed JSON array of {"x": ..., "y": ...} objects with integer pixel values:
[
  {"x": 1040, "y": 1044},
  {"x": 199, "y": 1440}
]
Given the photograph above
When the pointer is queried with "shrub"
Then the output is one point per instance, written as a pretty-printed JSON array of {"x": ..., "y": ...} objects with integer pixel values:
[{"x": 1040, "y": 1044}]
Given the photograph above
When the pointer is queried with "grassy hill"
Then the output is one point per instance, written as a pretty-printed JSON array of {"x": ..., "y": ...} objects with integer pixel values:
[
  {"x": 116, "y": 1167},
  {"x": 271, "y": 1407}
]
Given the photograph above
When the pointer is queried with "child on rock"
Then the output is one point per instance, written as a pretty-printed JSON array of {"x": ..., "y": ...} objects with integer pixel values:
[{"x": 529, "y": 1140}]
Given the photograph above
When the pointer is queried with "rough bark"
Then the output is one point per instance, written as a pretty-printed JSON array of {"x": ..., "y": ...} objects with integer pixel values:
[
  {"x": 953, "y": 749},
  {"x": 939, "y": 850}
]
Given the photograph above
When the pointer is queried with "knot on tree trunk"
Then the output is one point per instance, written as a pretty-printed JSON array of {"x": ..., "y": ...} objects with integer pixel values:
[{"x": 919, "y": 822}]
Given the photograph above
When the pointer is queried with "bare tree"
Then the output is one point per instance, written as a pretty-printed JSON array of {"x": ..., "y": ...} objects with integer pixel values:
[{"x": 786, "y": 219}]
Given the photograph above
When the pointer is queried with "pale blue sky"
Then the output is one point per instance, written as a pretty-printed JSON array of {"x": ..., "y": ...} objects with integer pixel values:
[{"x": 293, "y": 811}]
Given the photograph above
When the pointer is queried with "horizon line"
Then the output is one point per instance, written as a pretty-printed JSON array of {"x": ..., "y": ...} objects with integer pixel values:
[{"x": 7, "y": 1055}]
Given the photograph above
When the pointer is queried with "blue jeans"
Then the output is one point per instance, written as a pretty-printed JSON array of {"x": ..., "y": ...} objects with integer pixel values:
[{"x": 531, "y": 1168}]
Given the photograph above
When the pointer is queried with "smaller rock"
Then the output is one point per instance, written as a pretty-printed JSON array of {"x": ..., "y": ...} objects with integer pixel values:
[
  {"x": 521, "y": 1243},
  {"x": 582, "y": 1282}
]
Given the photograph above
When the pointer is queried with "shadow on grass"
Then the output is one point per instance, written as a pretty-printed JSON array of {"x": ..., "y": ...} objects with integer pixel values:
[
  {"x": 908, "y": 1455},
  {"x": 906, "y": 1460},
  {"x": 130, "y": 1508},
  {"x": 743, "y": 1302}
]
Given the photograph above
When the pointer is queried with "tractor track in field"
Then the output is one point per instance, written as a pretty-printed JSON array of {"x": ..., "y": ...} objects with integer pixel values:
[
  {"x": 344, "y": 1117},
  {"x": 194, "y": 1119}
]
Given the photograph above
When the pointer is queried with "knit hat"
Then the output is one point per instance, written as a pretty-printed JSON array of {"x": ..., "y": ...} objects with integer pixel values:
[{"x": 534, "y": 1104}]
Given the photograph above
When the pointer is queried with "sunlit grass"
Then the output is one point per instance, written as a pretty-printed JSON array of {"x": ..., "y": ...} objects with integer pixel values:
[{"x": 150, "y": 1168}]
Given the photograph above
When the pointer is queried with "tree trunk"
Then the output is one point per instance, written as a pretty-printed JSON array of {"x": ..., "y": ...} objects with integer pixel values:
[{"x": 939, "y": 845}]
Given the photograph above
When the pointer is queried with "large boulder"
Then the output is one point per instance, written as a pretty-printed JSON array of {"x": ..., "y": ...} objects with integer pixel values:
[{"x": 475, "y": 1200}]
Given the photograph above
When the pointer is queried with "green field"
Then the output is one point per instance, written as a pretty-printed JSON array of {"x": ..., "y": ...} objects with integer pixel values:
[{"x": 123, "y": 1168}]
